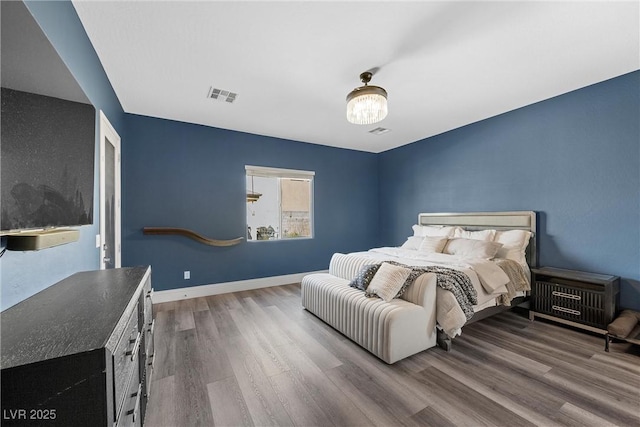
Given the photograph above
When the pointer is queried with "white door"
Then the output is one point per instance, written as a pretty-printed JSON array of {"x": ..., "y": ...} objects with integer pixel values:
[{"x": 109, "y": 195}]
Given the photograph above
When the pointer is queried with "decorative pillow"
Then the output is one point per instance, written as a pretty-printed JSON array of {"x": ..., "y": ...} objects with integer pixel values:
[
  {"x": 366, "y": 273},
  {"x": 412, "y": 242},
  {"x": 484, "y": 235},
  {"x": 470, "y": 248},
  {"x": 431, "y": 230},
  {"x": 513, "y": 238},
  {"x": 514, "y": 243},
  {"x": 432, "y": 244},
  {"x": 388, "y": 281}
]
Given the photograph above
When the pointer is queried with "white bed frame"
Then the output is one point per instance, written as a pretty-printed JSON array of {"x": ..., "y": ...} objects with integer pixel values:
[{"x": 512, "y": 220}]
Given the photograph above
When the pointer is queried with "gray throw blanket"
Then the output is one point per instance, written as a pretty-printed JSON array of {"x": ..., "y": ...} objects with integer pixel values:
[{"x": 448, "y": 279}]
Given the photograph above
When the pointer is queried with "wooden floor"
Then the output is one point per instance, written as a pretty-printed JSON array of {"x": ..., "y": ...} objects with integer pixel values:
[{"x": 257, "y": 358}]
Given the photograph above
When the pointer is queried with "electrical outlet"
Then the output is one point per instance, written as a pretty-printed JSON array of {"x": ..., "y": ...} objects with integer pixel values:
[{"x": 187, "y": 275}]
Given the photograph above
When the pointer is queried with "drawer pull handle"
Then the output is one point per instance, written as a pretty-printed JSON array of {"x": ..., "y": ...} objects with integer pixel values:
[
  {"x": 565, "y": 295},
  {"x": 135, "y": 348},
  {"x": 136, "y": 405},
  {"x": 566, "y": 310}
]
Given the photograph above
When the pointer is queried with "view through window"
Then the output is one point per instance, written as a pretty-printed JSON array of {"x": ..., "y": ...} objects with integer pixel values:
[{"x": 279, "y": 203}]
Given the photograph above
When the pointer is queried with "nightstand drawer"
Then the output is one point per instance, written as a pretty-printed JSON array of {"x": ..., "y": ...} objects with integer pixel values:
[
  {"x": 582, "y": 305},
  {"x": 562, "y": 294}
]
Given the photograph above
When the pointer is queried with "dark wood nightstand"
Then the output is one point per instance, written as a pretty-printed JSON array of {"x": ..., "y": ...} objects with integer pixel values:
[{"x": 583, "y": 300}]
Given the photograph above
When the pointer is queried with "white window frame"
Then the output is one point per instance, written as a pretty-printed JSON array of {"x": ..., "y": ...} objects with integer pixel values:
[{"x": 269, "y": 172}]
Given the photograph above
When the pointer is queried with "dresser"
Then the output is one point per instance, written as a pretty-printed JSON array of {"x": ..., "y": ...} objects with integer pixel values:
[
  {"x": 80, "y": 353},
  {"x": 580, "y": 299}
]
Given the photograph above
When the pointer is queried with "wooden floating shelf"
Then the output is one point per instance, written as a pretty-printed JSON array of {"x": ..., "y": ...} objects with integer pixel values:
[{"x": 192, "y": 235}]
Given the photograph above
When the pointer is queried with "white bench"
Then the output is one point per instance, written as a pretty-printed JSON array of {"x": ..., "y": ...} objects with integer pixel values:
[{"x": 391, "y": 331}]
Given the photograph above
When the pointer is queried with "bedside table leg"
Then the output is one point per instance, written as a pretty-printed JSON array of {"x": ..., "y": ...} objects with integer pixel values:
[
  {"x": 606, "y": 342},
  {"x": 531, "y": 315}
]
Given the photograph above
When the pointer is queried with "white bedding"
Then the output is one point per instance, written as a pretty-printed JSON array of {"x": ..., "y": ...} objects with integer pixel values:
[
  {"x": 487, "y": 278},
  {"x": 493, "y": 302}
]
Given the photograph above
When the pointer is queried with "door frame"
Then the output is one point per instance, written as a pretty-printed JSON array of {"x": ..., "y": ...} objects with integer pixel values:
[{"x": 108, "y": 133}]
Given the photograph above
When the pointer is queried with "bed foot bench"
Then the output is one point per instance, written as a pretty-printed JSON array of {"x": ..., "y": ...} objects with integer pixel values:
[{"x": 389, "y": 330}]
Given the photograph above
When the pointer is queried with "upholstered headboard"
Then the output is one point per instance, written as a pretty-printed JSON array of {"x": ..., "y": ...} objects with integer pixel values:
[{"x": 521, "y": 220}]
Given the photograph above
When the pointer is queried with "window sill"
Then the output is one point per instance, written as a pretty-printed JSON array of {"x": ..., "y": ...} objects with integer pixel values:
[{"x": 293, "y": 239}]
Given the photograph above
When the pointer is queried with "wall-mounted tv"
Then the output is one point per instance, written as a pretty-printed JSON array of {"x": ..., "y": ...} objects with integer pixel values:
[
  {"x": 47, "y": 131},
  {"x": 47, "y": 166}
]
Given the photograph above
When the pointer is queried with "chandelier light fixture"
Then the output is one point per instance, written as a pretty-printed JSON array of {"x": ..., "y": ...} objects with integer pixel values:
[
  {"x": 366, "y": 104},
  {"x": 252, "y": 196}
]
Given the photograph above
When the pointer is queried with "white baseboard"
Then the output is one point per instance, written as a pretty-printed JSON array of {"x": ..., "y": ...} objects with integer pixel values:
[{"x": 224, "y": 288}]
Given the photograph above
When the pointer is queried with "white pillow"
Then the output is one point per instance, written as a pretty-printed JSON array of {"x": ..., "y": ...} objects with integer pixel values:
[
  {"x": 432, "y": 244},
  {"x": 431, "y": 230},
  {"x": 413, "y": 242},
  {"x": 484, "y": 235},
  {"x": 388, "y": 281},
  {"x": 514, "y": 244},
  {"x": 470, "y": 248},
  {"x": 513, "y": 238}
]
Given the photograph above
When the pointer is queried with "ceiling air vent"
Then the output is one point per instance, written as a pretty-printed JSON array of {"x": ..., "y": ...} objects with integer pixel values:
[
  {"x": 222, "y": 95},
  {"x": 379, "y": 131}
]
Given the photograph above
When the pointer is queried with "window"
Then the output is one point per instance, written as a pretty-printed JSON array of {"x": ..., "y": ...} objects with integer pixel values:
[{"x": 279, "y": 203}]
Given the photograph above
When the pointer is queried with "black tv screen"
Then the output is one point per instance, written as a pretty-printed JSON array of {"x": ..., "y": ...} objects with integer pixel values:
[{"x": 47, "y": 161}]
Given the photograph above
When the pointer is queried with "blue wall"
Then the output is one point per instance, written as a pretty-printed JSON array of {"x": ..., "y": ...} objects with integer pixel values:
[
  {"x": 183, "y": 175},
  {"x": 23, "y": 274},
  {"x": 575, "y": 159}
]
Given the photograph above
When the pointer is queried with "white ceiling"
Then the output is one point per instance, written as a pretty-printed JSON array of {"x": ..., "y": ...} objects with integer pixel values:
[{"x": 444, "y": 64}]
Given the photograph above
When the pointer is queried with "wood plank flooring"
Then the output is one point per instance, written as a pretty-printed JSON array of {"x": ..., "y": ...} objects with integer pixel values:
[{"x": 256, "y": 358}]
